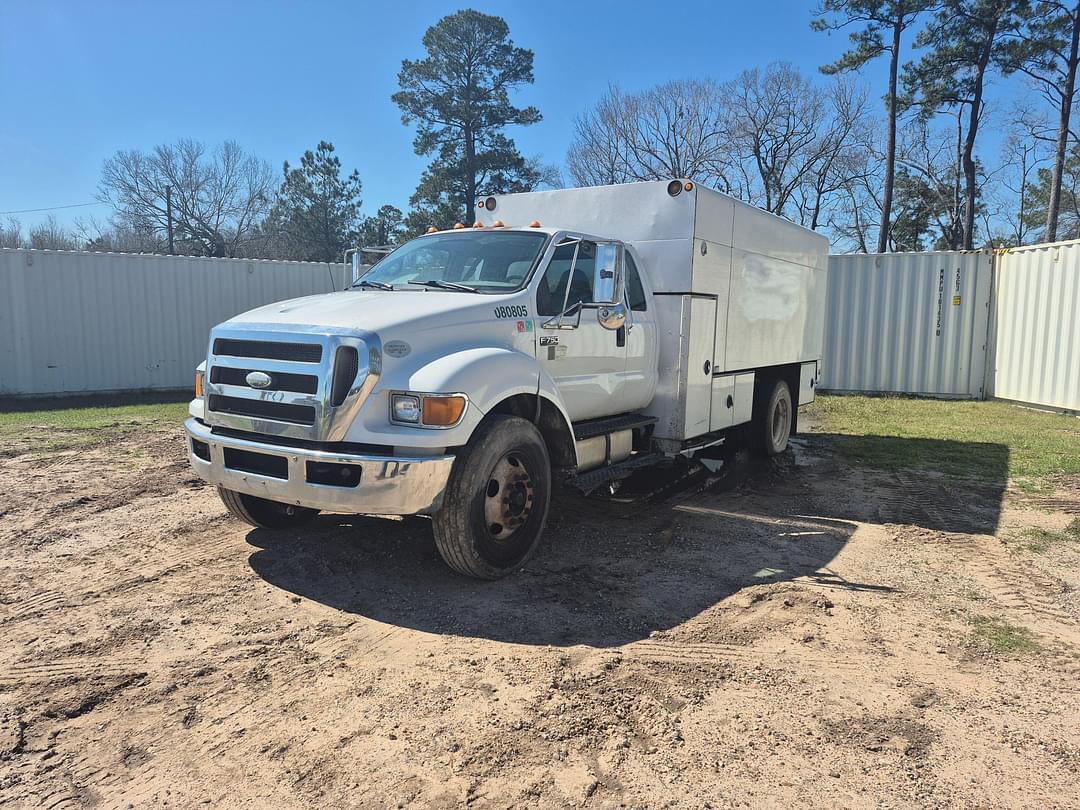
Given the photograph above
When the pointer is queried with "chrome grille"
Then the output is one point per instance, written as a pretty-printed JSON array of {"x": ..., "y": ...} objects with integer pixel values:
[
  {"x": 269, "y": 350},
  {"x": 263, "y": 409},
  {"x": 279, "y": 381},
  {"x": 318, "y": 379}
]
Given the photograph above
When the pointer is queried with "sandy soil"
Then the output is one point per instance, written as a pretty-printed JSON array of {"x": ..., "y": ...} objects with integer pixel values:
[{"x": 799, "y": 635}]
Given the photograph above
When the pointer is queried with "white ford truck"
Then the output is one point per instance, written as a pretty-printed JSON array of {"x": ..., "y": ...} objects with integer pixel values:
[{"x": 567, "y": 336}]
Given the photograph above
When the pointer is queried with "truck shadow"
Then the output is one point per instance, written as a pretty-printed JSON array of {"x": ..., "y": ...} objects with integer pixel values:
[{"x": 610, "y": 573}]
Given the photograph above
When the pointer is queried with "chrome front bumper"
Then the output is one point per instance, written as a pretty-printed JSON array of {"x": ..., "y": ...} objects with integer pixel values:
[{"x": 389, "y": 485}]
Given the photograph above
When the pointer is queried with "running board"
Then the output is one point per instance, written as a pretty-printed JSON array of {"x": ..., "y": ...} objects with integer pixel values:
[
  {"x": 586, "y": 482},
  {"x": 598, "y": 427}
]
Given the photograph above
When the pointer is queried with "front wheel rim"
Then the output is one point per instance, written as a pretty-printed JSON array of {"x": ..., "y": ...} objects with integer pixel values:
[{"x": 508, "y": 498}]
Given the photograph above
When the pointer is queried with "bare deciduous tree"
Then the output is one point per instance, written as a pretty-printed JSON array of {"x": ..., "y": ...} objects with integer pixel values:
[
  {"x": 935, "y": 159},
  {"x": 51, "y": 235},
  {"x": 218, "y": 197},
  {"x": 11, "y": 235},
  {"x": 790, "y": 139},
  {"x": 672, "y": 130},
  {"x": 1007, "y": 214}
]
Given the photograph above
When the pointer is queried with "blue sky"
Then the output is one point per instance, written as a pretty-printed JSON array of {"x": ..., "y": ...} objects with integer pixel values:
[{"x": 80, "y": 80}]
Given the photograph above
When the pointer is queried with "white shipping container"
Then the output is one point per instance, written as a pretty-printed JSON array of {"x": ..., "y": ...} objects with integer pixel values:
[
  {"x": 1036, "y": 336},
  {"x": 912, "y": 323},
  {"x": 80, "y": 322}
]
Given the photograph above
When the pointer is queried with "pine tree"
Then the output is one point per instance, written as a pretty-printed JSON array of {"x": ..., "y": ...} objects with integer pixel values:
[
  {"x": 458, "y": 95},
  {"x": 317, "y": 213},
  {"x": 883, "y": 24}
]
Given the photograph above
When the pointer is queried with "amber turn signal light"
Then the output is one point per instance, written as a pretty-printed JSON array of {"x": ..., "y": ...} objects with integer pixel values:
[
  {"x": 443, "y": 411},
  {"x": 198, "y": 385}
]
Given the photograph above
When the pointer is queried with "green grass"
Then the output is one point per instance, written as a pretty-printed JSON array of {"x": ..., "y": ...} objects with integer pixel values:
[
  {"x": 1039, "y": 541},
  {"x": 58, "y": 429},
  {"x": 999, "y": 637},
  {"x": 984, "y": 440}
]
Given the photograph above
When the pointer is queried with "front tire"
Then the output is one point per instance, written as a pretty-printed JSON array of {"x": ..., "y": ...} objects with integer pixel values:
[
  {"x": 264, "y": 514},
  {"x": 772, "y": 428},
  {"x": 496, "y": 500}
]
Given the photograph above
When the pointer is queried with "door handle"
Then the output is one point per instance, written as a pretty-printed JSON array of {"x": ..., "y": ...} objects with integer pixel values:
[{"x": 620, "y": 336}]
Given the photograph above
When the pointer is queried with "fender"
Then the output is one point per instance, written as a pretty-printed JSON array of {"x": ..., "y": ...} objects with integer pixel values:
[{"x": 488, "y": 375}]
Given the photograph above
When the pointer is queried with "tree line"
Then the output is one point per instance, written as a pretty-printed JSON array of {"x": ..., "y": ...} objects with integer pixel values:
[{"x": 892, "y": 168}]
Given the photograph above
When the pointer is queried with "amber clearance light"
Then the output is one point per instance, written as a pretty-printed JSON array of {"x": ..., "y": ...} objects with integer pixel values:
[{"x": 442, "y": 411}]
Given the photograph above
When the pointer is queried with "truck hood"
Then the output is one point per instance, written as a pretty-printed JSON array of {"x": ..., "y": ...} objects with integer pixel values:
[{"x": 375, "y": 310}]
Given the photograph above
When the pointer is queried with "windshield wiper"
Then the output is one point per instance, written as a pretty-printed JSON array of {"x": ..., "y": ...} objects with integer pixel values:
[
  {"x": 446, "y": 285},
  {"x": 378, "y": 285}
]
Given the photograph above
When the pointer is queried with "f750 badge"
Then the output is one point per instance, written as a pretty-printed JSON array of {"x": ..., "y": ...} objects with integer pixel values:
[{"x": 512, "y": 312}]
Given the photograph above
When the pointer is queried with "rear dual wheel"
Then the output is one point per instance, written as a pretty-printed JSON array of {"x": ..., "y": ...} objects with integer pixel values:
[
  {"x": 772, "y": 424},
  {"x": 496, "y": 500}
]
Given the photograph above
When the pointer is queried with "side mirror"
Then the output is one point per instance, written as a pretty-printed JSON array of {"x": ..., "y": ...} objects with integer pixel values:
[
  {"x": 607, "y": 284},
  {"x": 612, "y": 316}
]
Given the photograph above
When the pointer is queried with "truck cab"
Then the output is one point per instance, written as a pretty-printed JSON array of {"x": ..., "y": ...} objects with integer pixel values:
[{"x": 564, "y": 338}]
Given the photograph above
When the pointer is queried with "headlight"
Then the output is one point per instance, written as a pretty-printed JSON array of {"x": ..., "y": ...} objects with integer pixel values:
[
  {"x": 405, "y": 408},
  {"x": 427, "y": 410}
]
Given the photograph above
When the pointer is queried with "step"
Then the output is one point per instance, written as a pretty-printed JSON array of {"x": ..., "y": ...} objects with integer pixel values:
[
  {"x": 588, "y": 481},
  {"x": 610, "y": 424}
]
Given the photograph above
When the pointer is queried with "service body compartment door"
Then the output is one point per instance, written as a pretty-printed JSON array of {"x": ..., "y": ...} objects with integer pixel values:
[
  {"x": 808, "y": 380},
  {"x": 732, "y": 399},
  {"x": 723, "y": 402},
  {"x": 683, "y": 401},
  {"x": 699, "y": 352}
]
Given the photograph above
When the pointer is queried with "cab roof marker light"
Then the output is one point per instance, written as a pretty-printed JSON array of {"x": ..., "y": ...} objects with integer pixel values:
[
  {"x": 432, "y": 229},
  {"x": 534, "y": 224},
  {"x": 458, "y": 226},
  {"x": 498, "y": 224},
  {"x": 478, "y": 224}
]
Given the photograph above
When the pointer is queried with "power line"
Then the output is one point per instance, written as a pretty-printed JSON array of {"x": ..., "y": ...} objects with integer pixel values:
[{"x": 52, "y": 208}]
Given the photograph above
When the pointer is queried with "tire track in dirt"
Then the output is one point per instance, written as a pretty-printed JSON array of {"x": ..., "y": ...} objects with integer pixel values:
[
  {"x": 33, "y": 606},
  {"x": 175, "y": 557},
  {"x": 710, "y": 654},
  {"x": 1016, "y": 586}
]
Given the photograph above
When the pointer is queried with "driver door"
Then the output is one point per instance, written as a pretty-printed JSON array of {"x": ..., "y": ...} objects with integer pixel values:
[{"x": 586, "y": 361}]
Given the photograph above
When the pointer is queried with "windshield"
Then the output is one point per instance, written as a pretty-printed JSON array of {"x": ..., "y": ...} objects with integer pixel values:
[{"x": 484, "y": 261}]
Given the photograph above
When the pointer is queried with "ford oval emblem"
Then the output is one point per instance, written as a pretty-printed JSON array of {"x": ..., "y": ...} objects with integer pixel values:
[{"x": 258, "y": 379}]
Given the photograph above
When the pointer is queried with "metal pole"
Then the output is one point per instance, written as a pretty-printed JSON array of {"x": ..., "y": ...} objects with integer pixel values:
[{"x": 168, "y": 217}]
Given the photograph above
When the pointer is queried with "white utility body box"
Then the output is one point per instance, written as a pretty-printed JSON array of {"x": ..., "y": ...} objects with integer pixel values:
[{"x": 735, "y": 290}]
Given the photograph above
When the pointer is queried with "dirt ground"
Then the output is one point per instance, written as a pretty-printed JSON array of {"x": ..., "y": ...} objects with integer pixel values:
[{"x": 801, "y": 634}]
